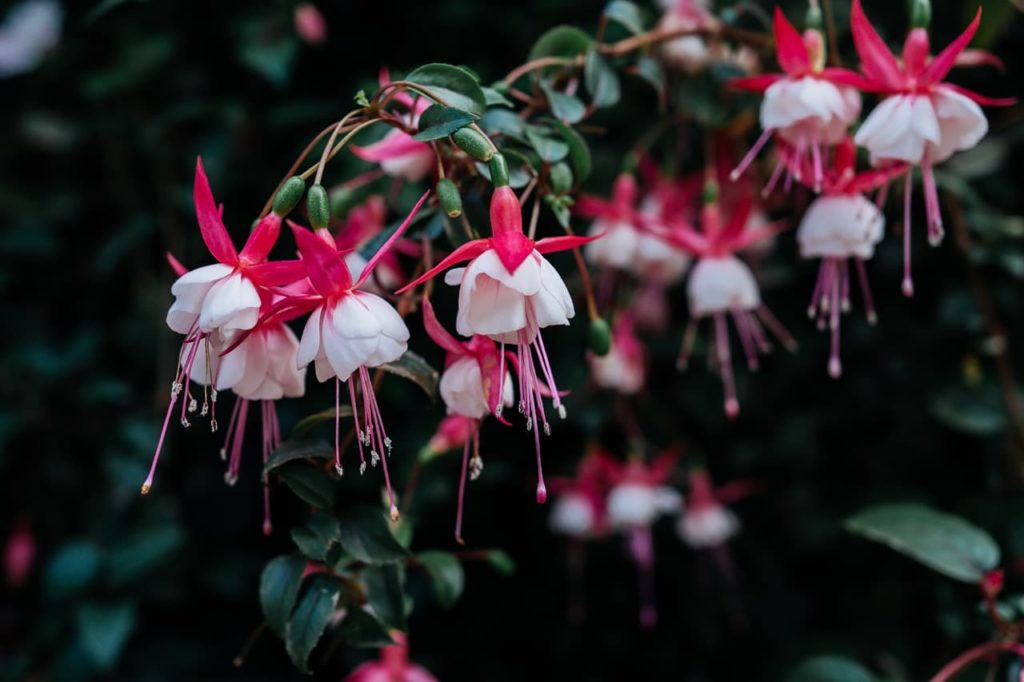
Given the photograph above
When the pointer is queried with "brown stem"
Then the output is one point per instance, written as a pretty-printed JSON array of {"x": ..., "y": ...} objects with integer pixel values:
[{"x": 834, "y": 58}]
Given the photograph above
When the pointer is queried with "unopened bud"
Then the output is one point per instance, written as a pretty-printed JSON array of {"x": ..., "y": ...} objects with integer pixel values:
[
  {"x": 289, "y": 196},
  {"x": 920, "y": 13},
  {"x": 474, "y": 144},
  {"x": 499, "y": 170},
  {"x": 448, "y": 195},
  {"x": 599, "y": 336},
  {"x": 560, "y": 177},
  {"x": 813, "y": 19},
  {"x": 318, "y": 207},
  {"x": 709, "y": 195}
]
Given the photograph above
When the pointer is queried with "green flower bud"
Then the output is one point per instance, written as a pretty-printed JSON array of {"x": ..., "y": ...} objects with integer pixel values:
[
  {"x": 560, "y": 177},
  {"x": 318, "y": 206},
  {"x": 448, "y": 195},
  {"x": 599, "y": 336},
  {"x": 709, "y": 195},
  {"x": 920, "y": 13},
  {"x": 473, "y": 143},
  {"x": 499, "y": 170},
  {"x": 813, "y": 19},
  {"x": 289, "y": 195}
]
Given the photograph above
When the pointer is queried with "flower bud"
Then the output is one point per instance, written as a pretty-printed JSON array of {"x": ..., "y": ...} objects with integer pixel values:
[
  {"x": 599, "y": 336},
  {"x": 289, "y": 195},
  {"x": 709, "y": 194},
  {"x": 560, "y": 177},
  {"x": 499, "y": 170},
  {"x": 474, "y": 144},
  {"x": 318, "y": 206},
  {"x": 813, "y": 18},
  {"x": 920, "y": 13},
  {"x": 448, "y": 195}
]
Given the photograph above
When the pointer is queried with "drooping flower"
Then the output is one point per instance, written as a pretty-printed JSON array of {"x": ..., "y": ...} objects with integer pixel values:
[
  {"x": 706, "y": 523},
  {"x": 509, "y": 292},
  {"x": 309, "y": 23},
  {"x": 474, "y": 384},
  {"x": 363, "y": 223},
  {"x": 808, "y": 106},
  {"x": 347, "y": 333},
  {"x": 721, "y": 284},
  {"x": 617, "y": 220},
  {"x": 393, "y": 666},
  {"x": 398, "y": 154},
  {"x": 623, "y": 367},
  {"x": 28, "y": 32},
  {"x": 215, "y": 303},
  {"x": 922, "y": 120},
  {"x": 579, "y": 509},
  {"x": 842, "y": 227},
  {"x": 689, "y": 53}
]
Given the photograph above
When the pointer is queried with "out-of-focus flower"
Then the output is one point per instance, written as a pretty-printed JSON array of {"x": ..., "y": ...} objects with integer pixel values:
[
  {"x": 689, "y": 53},
  {"x": 28, "y": 32},
  {"x": 623, "y": 367},
  {"x": 579, "y": 508},
  {"x": 393, "y": 665},
  {"x": 310, "y": 24},
  {"x": 398, "y": 154},
  {"x": 19, "y": 553},
  {"x": 705, "y": 522},
  {"x": 364, "y": 223}
]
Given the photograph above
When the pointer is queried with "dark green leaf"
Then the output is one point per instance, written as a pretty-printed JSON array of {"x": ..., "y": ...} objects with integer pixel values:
[
  {"x": 293, "y": 450},
  {"x": 73, "y": 567},
  {"x": 579, "y": 152},
  {"x": 279, "y": 588},
  {"x": 946, "y": 543},
  {"x": 559, "y": 207},
  {"x": 364, "y": 533},
  {"x": 308, "y": 483},
  {"x": 438, "y": 121},
  {"x": 445, "y": 573},
  {"x": 384, "y": 594},
  {"x": 104, "y": 629},
  {"x": 561, "y": 41},
  {"x": 414, "y": 368},
  {"x": 310, "y": 618},
  {"x": 548, "y": 149},
  {"x": 316, "y": 537},
  {"x": 565, "y": 107},
  {"x": 627, "y": 14},
  {"x": 361, "y": 629},
  {"x": 494, "y": 98},
  {"x": 453, "y": 85},
  {"x": 971, "y": 412},
  {"x": 504, "y": 122},
  {"x": 501, "y": 562},
  {"x": 142, "y": 552},
  {"x": 829, "y": 669},
  {"x": 601, "y": 80}
]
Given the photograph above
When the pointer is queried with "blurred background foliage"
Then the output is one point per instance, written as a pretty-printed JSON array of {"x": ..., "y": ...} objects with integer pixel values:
[{"x": 99, "y": 144}]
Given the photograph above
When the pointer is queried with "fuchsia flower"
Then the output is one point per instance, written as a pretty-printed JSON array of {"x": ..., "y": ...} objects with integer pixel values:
[
  {"x": 808, "y": 107},
  {"x": 364, "y": 222},
  {"x": 922, "y": 120},
  {"x": 706, "y": 523},
  {"x": 840, "y": 226},
  {"x": 216, "y": 305},
  {"x": 721, "y": 284},
  {"x": 473, "y": 385},
  {"x": 398, "y": 154},
  {"x": 623, "y": 367},
  {"x": 689, "y": 53},
  {"x": 579, "y": 510},
  {"x": 453, "y": 432},
  {"x": 19, "y": 553},
  {"x": 617, "y": 220},
  {"x": 348, "y": 332},
  {"x": 508, "y": 292},
  {"x": 309, "y": 23},
  {"x": 393, "y": 666}
]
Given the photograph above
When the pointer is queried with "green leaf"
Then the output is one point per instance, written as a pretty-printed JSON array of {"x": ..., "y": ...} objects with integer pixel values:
[
  {"x": 317, "y": 536},
  {"x": 828, "y": 668},
  {"x": 651, "y": 71},
  {"x": 414, "y": 368},
  {"x": 309, "y": 484},
  {"x": 548, "y": 149},
  {"x": 279, "y": 588},
  {"x": 294, "y": 450},
  {"x": 103, "y": 631},
  {"x": 310, "y": 618},
  {"x": 561, "y": 41},
  {"x": 384, "y": 594},
  {"x": 361, "y": 629},
  {"x": 501, "y": 562},
  {"x": 971, "y": 412},
  {"x": 438, "y": 121},
  {"x": 946, "y": 543},
  {"x": 504, "y": 122},
  {"x": 361, "y": 99},
  {"x": 494, "y": 98},
  {"x": 579, "y": 152},
  {"x": 364, "y": 533},
  {"x": 601, "y": 80},
  {"x": 72, "y": 568},
  {"x": 627, "y": 14},
  {"x": 559, "y": 207},
  {"x": 565, "y": 107},
  {"x": 453, "y": 85},
  {"x": 142, "y": 552},
  {"x": 445, "y": 573}
]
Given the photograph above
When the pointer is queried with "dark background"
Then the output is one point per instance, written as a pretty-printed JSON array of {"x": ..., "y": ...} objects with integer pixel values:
[{"x": 98, "y": 148}]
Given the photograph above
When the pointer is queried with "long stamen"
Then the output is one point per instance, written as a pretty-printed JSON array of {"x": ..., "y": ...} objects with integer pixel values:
[
  {"x": 835, "y": 368},
  {"x": 751, "y": 155},
  {"x": 746, "y": 340},
  {"x": 908, "y": 282},
  {"x": 732, "y": 405},
  {"x": 337, "y": 427},
  {"x": 865, "y": 289},
  {"x": 355, "y": 419},
  {"x": 175, "y": 390},
  {"x": 269, "y": 444},
  {"x": 931, "y": 202},
  {"x": 234, "y": 464},
  {"x": 776, "y": 328},
  {"x": 232, "y": 422},
  {"x": 383, "y": 443},
  {"x": 462, "y": 493}
]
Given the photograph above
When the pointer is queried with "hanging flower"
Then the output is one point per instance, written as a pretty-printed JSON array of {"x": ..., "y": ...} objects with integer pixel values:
[
  {"x": 616, "y": 219},
  {"x": 393, "y": 665},
  {"x": 689, "y": 53},
  {"x": 706, "y": 523},
  {"x": 623, "y": 367},
  {"x": 509, "y": 292},
  {"x": 398, "y": 154},
  {"x": 808, "y": 106},
  {"x": 922, "y": 120},
  {"x": 363, "y": 224},
  {"x": 579, "y": 510}
]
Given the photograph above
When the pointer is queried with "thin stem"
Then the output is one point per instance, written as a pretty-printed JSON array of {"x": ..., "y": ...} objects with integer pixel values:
[
  {"x": 977, "y": 653},
  {"x": 543, "y": 62},
  {"x": 333, "y": 152},
  {"x": 327, "y": 147}
]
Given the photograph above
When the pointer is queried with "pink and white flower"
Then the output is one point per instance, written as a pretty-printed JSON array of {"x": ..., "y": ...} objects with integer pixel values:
[
  {"x": 922, "y": 120},
  {"x": 310, "y": 24},
  {"x": 509, "y": 292},
  {"x": 623, "y": 367},
  {"x": 706, "y": 523},
  {"x": 579, "y": 509},
  {"x": 615, "y": 219},
  {"x": 397, "y": 153},
  {"x": 689, "y": 53},
  {"x": 393, "y": 666}
]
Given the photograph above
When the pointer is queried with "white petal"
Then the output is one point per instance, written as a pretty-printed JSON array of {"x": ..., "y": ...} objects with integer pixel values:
[
  {"x": 310, "y": 344},
  {"x": 552, "y": 305}
]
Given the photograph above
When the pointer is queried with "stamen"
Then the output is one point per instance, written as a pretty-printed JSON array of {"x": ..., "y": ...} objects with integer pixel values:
[
  {"x": 908, "y": 282},
  {"x": 686, "y": 349},
  {"x": 751, "y": 155},
  {"x": 732, "y": 405}
]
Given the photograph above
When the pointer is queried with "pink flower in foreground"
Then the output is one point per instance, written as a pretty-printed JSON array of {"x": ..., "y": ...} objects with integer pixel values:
[
  {"x": 473, "y": 385},
  {"x": 623, "y": 367},
  {"x": 398, "y": 154},
  {"x": 922, "y": 120},
  {"x": 842, "y": 226},
  {"x": 721, "y": 285},
  {"x": 309, "y": 23},
  {"x": 393, "y": 666},
  {"x": 808, "y": 106},
  {"x": 509, "y": 292}
]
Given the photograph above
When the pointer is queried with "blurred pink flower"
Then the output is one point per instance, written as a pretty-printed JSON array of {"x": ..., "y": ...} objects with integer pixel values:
[
  {"x": 310, "y": 24},
  {"x": 393, "y": 666}
]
